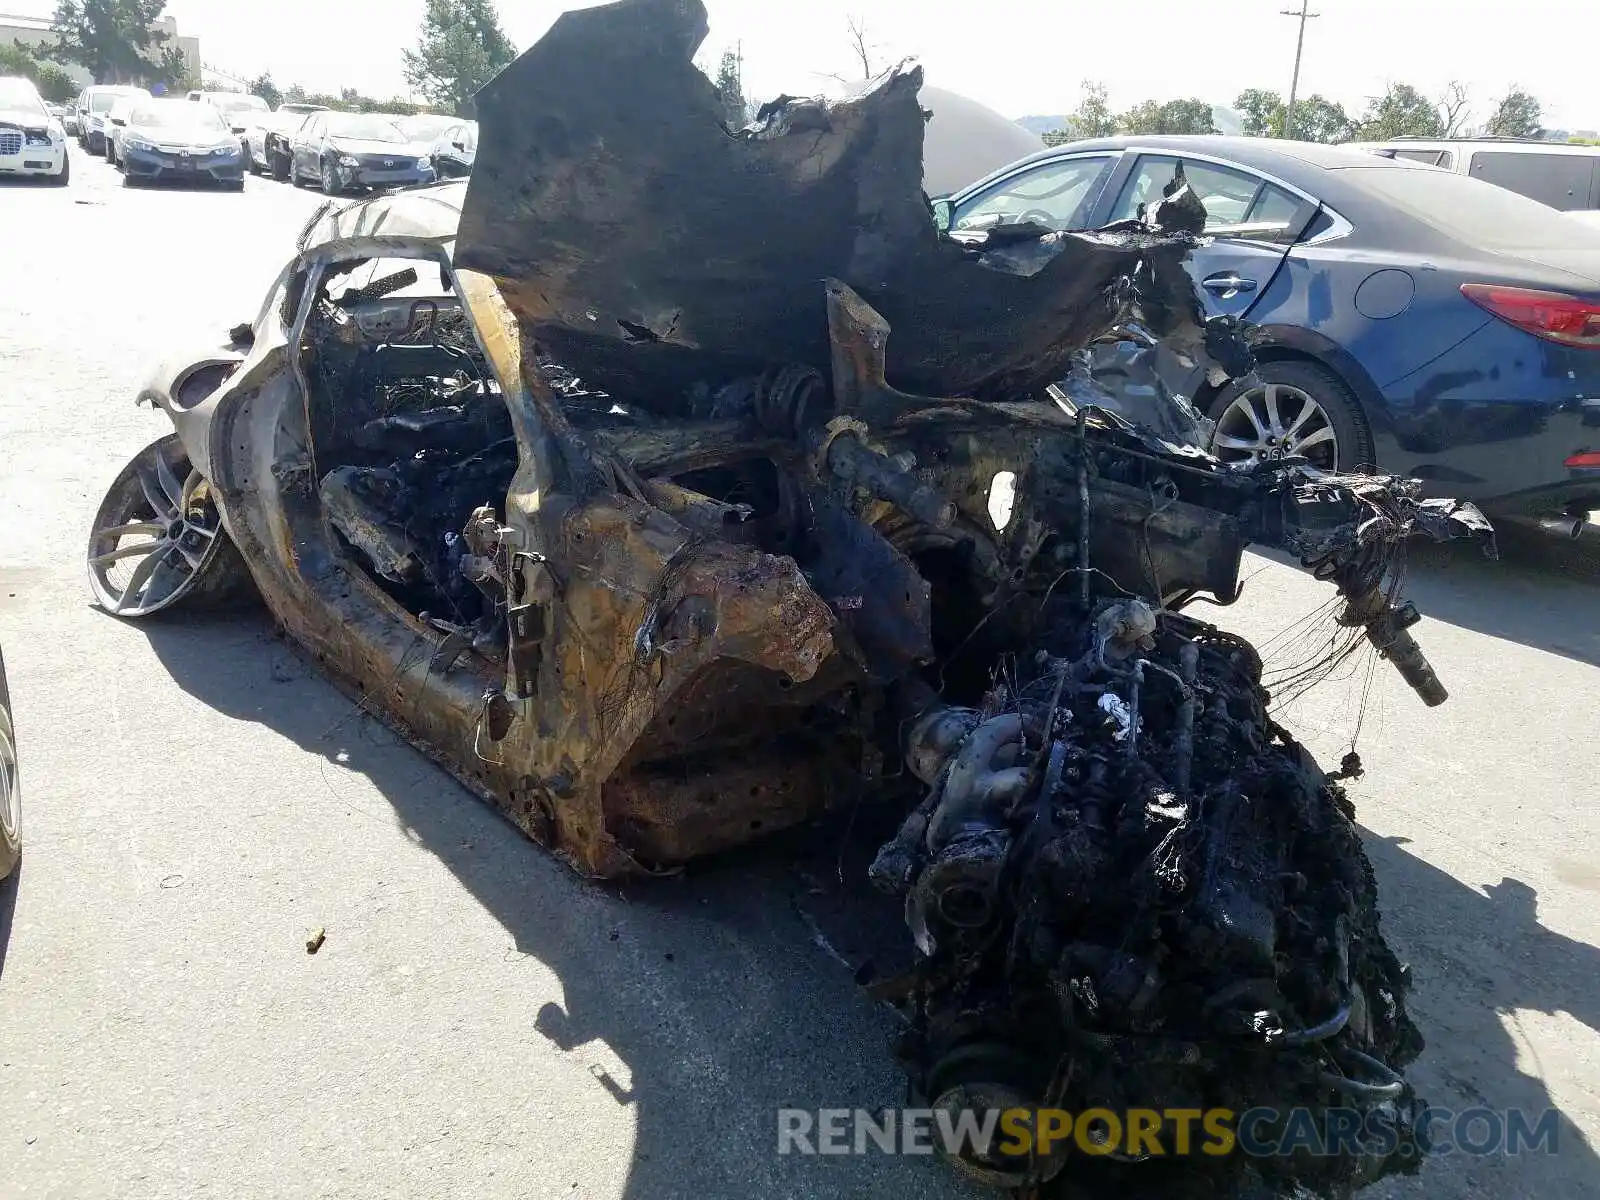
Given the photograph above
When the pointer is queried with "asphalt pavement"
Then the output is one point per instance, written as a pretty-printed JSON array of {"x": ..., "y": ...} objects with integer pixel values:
[{"x": 480, "y": 1022}]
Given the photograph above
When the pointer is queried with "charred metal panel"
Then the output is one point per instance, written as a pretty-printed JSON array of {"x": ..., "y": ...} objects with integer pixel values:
[{"x": 633, "y": 233}]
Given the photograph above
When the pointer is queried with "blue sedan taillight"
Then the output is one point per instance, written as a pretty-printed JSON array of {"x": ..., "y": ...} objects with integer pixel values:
[{"x": 1554, "y": 316}]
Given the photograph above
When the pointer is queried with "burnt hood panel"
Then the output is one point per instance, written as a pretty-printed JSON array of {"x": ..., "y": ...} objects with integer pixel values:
[{"x": 649, "y": 248}]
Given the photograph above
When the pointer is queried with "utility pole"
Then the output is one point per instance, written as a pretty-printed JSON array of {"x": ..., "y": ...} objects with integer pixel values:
[{"x": 1299, "y": 45}]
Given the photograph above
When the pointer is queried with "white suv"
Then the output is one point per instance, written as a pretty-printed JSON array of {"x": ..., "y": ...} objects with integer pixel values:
[{"x": 1560, "y": 174}]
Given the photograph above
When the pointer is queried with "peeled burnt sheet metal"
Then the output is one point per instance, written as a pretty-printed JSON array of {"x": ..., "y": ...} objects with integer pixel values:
[{"x": 649, "y": 248}]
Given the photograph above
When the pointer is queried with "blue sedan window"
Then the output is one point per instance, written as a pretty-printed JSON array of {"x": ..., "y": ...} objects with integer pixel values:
[
  {"x": 1056, "y": 194},
  {"x": 1231, "y": 195}
]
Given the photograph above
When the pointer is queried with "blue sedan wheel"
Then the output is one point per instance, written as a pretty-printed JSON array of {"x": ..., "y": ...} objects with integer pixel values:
[{"x": 1292, "y": 410}]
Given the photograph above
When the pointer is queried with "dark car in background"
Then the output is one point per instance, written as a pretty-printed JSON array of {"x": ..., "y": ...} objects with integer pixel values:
[
  {"x": 342, "y": 151},
  {"x": 1410, "y": 320},
  {"x": 174, "y": 141}
]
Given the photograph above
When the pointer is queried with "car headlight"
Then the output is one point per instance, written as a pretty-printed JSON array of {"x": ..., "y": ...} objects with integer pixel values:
[
  {"x": 219, "y": 151},
  {"x": 349, "y": 160},
  {"x": 423, "y": 164},
  {"x": 133, "y": 143}
]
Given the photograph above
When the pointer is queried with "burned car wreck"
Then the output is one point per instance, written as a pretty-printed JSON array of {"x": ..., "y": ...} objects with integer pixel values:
[{"x": 672, "y": 485}]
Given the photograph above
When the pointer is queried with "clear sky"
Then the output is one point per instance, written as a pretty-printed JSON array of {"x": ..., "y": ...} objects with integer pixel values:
[{"x": 1019, "y": 56}]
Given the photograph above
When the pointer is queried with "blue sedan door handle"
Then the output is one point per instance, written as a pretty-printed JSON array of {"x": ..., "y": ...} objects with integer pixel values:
[{"x": 1228, "y": 283}]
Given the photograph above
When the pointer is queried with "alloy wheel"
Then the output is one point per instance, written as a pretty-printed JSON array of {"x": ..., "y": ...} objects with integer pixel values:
[
  {"x": 1274, "y": 421},
  {"x": 156, "y": 534},
  {"x": 10, "y": 790}
]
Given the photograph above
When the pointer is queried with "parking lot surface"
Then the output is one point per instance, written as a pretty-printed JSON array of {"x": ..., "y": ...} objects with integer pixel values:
[{"x": 482, "y": 1023}]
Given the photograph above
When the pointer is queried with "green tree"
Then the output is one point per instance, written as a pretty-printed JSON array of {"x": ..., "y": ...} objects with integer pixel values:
[
  {"x": 1517, "y": 114},
  {"x": 730, "y": 90},
  {"x": 55, "y": 85},
  {"x": 114, "y": 40},
  {"x": 171, "y": 70},
  {"x": 1173, "y": 117},
  {"x": 1402, "y": 111},
  {"x": 17, "y": 59},
  {"x": 1318, "y": 119},
  {"x": 1262, "y": 111},
  {"x": 462, "y": 48},
  {"x": 1093, "y": 117},
  {"x": 295, "y": 94},
  {"x": 263, "y": 86}
]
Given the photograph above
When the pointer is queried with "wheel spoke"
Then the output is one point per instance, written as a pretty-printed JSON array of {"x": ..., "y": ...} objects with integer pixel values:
[
  {"x": 164, "y": 580},
  {"x": 1274, "y": 419},
  {"x": 121, "y": 552},
  {"x": 154, "y": 496},
  {"x": 1247, "y": 405},
  {"x": 1228, "y": 442},
  {"x": 153, "y": 528},
  {"x": 1320, "y": 437},
  {"x": 169, "y": 481},
  {"x": 139, "y": 580},
  {"x": 1308, "y": 409},
  {"x": 192, "y": 557},
  {"x": 196, "y": 527}
]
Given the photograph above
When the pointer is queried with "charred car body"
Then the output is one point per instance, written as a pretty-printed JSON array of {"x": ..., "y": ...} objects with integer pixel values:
[{"x": 603, "y": 495}]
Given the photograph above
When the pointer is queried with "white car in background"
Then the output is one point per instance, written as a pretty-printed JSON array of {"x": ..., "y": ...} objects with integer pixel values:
[
  {"x": 32, "y": 142},
  {"x": 266, "y": 137},
  {"x": 1564, "y": 175},
  {"x": 116, "y": 122},
  {"x": 241, "y": 108}
]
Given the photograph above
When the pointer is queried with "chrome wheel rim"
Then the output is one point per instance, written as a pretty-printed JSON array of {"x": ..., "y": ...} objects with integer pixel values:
[
  {"x": 1276, "y": 421},
  {"x": 155, "y": 534},
  {"x": 10, "y": 790}
]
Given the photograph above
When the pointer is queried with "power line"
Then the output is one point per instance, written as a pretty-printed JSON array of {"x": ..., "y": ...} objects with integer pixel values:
[{"x": 1299, "y": 45}]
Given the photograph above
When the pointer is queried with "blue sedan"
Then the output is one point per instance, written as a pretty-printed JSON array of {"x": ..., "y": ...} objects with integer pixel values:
[
  {"x": 1411, "y": 320},
  {"x": 174, "y": 141}
]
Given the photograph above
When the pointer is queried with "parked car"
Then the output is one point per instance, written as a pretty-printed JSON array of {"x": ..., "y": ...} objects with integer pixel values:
[
  {"x": 455, "y": 150},
  {"x": 94, "y": 109},
  {"x": 266, "y": 137},
  {"x": 175, "y": 141},
  {"x": 426, "y": 127},
  {"x": 116, "y": 123},
  {"x": 32, "y": 142},
  {"x": 10, "y": 783},
  {"x": 1411, "y": 320},
  {"x": 238, "y": 107},
  {"x": 69, "y": 118},
  {"x": 1564, "y": 176},
  {"x": 341, "y": 151}
]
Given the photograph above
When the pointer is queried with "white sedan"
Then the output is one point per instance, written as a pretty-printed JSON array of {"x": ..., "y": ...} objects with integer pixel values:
[{"x": 32, "y": 142}]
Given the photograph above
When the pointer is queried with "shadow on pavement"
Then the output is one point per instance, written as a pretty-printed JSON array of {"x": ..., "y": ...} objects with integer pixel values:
[
  {"x": 9, "y": 887},
  {"x": 1478, "y": 961},
  {"x": 726, "y": 995},
  {"x": 709, "y": 987},
  {"x": 1542, "y": 592}
]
